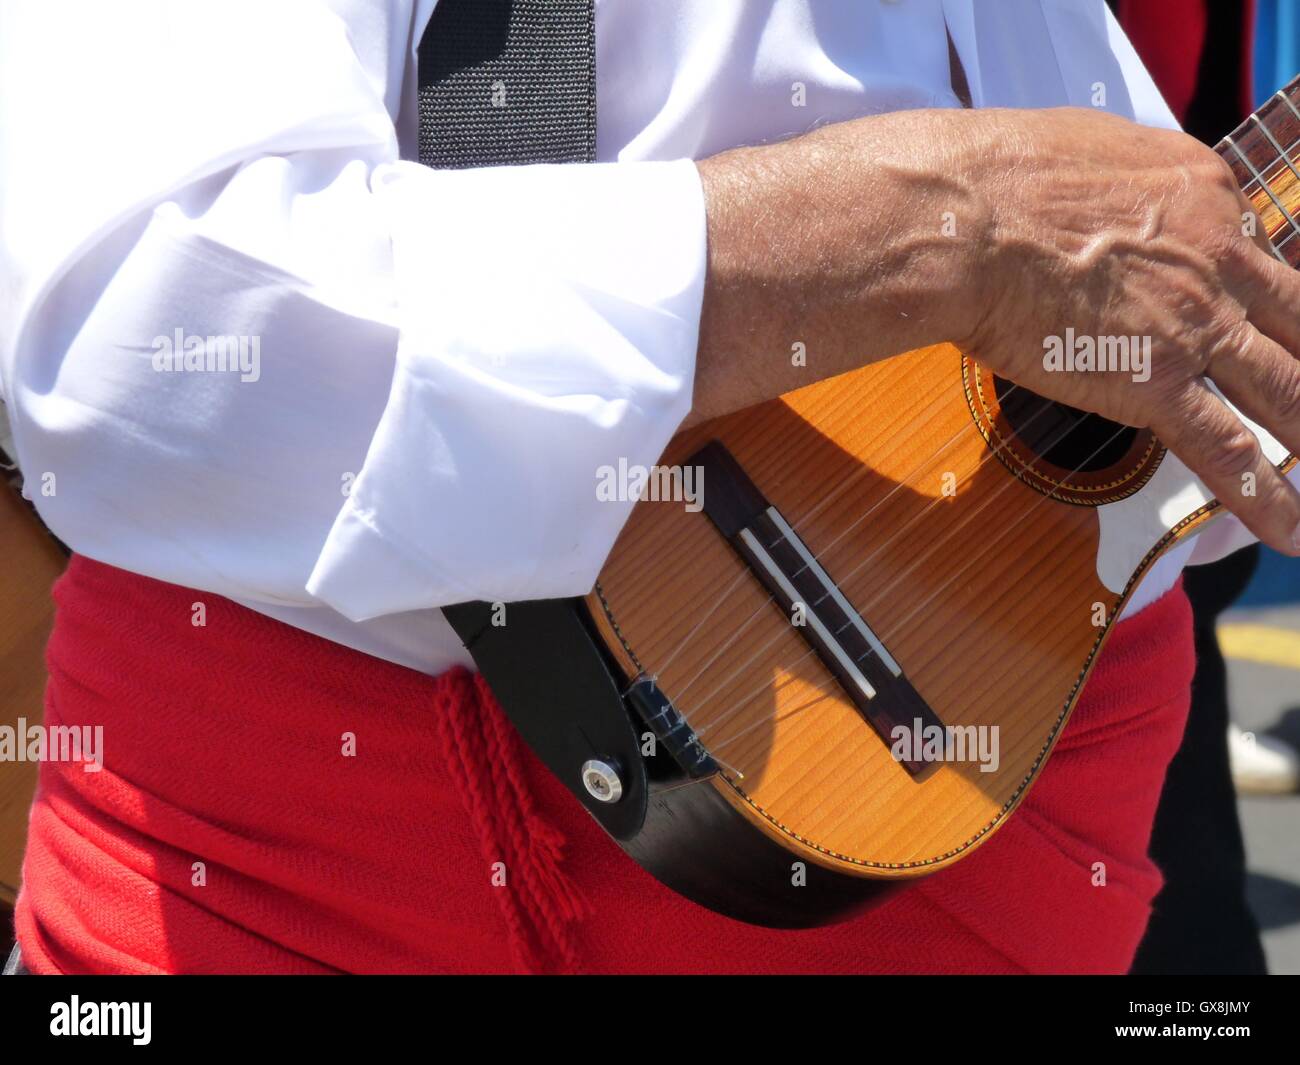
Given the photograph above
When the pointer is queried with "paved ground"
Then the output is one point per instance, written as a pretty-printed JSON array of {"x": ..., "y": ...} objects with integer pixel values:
[{"x": 1264, "y": 693}]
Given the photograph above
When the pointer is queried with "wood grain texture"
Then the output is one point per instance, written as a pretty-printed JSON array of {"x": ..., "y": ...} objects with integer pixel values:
[
  {"x": 32, "y": 561},
  {"x": 987, "y": 599}
]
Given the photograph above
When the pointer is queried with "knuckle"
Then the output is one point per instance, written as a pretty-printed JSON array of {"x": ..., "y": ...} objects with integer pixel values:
[
  {"x": 1286, "y": 399},
  {"x": 1220, "y": 172},
  {"x": 1228, "y": 246},
  {"x": 1229, "y": 334},
  {"x": 1235, "y": 454},
  {"x": 1231, "y": 251}
]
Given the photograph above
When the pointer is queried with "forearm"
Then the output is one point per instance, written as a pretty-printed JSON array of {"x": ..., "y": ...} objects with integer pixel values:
[{"x": 857, "y": 241}]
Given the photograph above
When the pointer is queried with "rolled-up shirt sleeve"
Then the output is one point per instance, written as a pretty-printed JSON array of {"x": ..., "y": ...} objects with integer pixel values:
[
  {"x": 435, "y": 364},
  {"x": 548, "y": 329}
]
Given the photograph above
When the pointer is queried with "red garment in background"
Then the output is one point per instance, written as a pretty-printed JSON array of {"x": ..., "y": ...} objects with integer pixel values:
[
  {"x": 223, "y": 746},
  {"x": 1173, "y": 37}
]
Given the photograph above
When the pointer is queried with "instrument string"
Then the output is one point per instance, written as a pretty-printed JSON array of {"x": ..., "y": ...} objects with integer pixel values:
[
  {"x": 862, "y": 471},
  {"x": 905, "y": 621},
  {"x": 802, "y": 521},
  {"x": 880, "y": 598},
  {"x": 742, "y": 577},
  {"x": 824, "y": 553}
]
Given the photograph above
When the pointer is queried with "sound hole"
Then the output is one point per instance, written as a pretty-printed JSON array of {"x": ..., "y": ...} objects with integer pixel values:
[{"x": 1067, "y": 437}]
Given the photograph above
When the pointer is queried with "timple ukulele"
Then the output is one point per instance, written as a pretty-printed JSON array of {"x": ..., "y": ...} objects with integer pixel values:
[{"x": 845, "y": 667}]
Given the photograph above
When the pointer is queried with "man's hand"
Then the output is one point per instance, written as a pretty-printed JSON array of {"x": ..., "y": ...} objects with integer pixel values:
[{"x": 997, "y": 230}]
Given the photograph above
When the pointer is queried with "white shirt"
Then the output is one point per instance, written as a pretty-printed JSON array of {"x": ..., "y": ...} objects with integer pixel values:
[{"x": 443, "y": 359}]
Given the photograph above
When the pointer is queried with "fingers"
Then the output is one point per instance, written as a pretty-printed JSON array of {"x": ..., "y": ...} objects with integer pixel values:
[
  {"x": 1262, "y": 379},
  {"x": 1273, "y": 302},
  {"x": 1202, "y": 431}
]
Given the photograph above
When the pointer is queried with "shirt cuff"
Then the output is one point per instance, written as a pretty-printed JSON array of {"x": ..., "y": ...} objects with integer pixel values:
[{"x": 549, "y": 317}]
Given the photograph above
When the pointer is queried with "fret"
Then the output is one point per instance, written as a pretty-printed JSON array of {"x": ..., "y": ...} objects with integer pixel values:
[
  {"x": 1255, "y": 156},
  {"x": 1261, "y": 121},
  {"x": 1287, "y": 248},
  {"x": 1267, "y": 139},
  {"x": 1280, "y": 95},
  {"x": 1288, "y": 91},
  {"x": 1281, "y": 152},
  {"x": 1290, "y": 251},
  {"x": 1261, "y": 153},
  {"x": 1268, "y": 189}
]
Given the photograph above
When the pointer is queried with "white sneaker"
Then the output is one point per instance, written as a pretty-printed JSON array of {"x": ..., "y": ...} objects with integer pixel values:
[{"x": 1262, "y": 765}]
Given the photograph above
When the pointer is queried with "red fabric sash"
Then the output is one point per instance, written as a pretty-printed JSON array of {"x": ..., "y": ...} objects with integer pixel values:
[{"x": 231, "y": 831}]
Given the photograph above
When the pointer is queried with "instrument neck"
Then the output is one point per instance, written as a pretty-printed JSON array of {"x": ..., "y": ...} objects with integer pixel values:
[{"x": 1264, "y": 153}]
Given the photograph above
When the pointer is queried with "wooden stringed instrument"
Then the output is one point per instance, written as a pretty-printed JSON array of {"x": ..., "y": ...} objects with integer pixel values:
[{"x": 914, "y": 542}]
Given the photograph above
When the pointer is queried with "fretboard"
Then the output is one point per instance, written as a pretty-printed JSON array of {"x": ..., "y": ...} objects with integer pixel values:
[{"x": 1264, "y": 153}]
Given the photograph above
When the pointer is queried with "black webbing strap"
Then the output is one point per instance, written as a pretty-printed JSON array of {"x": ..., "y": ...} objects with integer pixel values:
[
  {"x": 508, "y": 81},
  {"x": 957, "y": 73},
  {"x": 514, "y": 81}
]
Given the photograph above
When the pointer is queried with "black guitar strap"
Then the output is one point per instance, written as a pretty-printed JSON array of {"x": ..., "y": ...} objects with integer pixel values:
[
  {"x": 514, "y": 81},
  {"x": 957, "y": 73},
  {"x": 508, "y": 81}
]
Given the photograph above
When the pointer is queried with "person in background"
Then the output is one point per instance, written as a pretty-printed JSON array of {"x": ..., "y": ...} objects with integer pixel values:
[{"x": 1199, "y": 54}]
